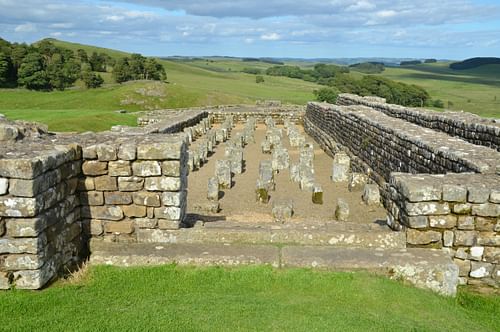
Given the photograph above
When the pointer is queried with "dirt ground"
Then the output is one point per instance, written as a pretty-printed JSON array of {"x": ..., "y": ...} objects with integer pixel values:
[{"x": 239, "y": 203}]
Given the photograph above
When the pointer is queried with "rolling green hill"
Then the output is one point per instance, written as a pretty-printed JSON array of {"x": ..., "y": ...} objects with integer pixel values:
[{"x": 115, "y": 54}]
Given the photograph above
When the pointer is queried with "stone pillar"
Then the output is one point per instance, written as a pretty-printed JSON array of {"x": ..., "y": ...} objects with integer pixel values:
[
  {"x": 223, "y": 173},
  {"x": 341, "y": 167}
]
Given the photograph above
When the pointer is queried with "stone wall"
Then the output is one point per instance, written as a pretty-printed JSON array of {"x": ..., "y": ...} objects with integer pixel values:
[
  {"x": 458, "y": 212},
  {"x": 57, "y": 191},
  {"x": 242, "y": 114},
  {"x": 467, "y": 126},
  {"x": 442, "y": 190}
]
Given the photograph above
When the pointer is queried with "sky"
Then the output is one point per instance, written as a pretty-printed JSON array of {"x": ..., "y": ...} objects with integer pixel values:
[{"x": 443, "y": 29}]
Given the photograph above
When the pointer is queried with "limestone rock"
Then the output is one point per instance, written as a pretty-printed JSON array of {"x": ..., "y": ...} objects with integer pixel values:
[
  {"x": 282, "y": 210},
  {"x": 357, "y": 181},
  {"x": 341, "y": 167},
  {"x": 342, "y": 210},
  {"x": 371, "y": 195}
]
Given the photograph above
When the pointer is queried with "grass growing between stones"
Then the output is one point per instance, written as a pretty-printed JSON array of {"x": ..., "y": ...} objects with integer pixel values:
[{"x": 171, "y": 298}]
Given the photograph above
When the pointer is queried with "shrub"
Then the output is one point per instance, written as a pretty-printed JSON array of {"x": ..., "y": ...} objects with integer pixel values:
[{"x": 259, "y": 79}]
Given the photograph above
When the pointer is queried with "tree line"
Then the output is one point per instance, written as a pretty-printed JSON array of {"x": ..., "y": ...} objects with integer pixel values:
[
  {"x": 45, "y": 66},
  {"x": 338, "y": 80}
]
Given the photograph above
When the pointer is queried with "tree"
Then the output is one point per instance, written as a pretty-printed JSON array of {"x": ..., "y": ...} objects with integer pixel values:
[
  {"x": 328, "y": 95},
  {"x": 154, "y": 70},
  {"x": 136, "y": 64},
  {"x": 259, "y": 79},
  {"x": 121, "y": 71},
  {"x": 92, "y": 80},
  {"x": 82, "y": 56},
  {"x": 5, "y": 70},
  {"x": 32, "y": 74},
  {"x": 97, "y": 62}
]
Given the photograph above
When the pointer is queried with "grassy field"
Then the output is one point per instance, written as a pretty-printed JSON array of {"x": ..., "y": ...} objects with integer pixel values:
[
  {"x": 475, "y": 90},
  {"x": 171, "y": 298}
]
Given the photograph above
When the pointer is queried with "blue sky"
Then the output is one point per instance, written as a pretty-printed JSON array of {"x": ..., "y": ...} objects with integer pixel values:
[{"x": 451, "y": 29}]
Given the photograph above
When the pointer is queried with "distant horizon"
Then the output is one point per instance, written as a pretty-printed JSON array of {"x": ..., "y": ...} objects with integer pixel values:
[{"x": 402, "y": 29}]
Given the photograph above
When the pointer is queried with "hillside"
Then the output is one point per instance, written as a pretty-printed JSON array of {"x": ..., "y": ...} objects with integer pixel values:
[
  {"x": 474, "y": 63},
  {"x": 115, "y": 54}
]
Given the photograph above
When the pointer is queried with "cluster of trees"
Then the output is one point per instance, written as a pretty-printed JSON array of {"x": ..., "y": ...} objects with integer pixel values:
[
  {"x": 265, "y": 60},
  {"x": 138, "y": 67},
  {"x": 474, "y": 62},
  {"x": 44, "y": 66},
  {"x": 368, "y": 67},
  {"x": 410, "y": 63},
  {"x": 321, "y": 73}
]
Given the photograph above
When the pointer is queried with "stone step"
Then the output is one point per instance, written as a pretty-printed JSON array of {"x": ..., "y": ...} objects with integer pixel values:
[
  {"x": 327, "y": 234},
  {"x": 424, "y": 268}
]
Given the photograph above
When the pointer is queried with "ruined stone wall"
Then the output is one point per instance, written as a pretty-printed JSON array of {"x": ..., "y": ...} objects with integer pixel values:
[
  {"x": 467, "y": 126},
  {"x": 278, "y": 116},
  {"x": 459, "y": 212},
  {"x": 417, "y": 169},
  {"x": 40, "y": 226}
]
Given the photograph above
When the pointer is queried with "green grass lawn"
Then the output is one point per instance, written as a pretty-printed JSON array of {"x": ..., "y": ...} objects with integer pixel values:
[{"x": 170, "y": 298}]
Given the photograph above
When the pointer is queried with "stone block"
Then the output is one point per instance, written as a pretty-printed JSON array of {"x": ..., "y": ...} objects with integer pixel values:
[
  {"x": 106, "y": 183},
  {"x": 103, "y": 212},
  {"x": 454, "y": 193},
  {"x": 213, "y": 189},
  {"x": 117, "y": 198},
  {"x": 207, "y": 207},
  {"x": 486, "y": 224},
  {"x": 476, "y": 253},
  {"x": 415, "y": 221},
  {"x": 86, "y": 184},
  {"x": 464, "y": 267},
  {"x": 223, "y": 173},
  {"x": 294, "y": 173},
  {"x": 417, "y": 237},
  {"x": 23, "y": 245},
  {"x": 357, "y": 181},
  {"x": 96, "y": 227},
  {"x": 89, "y": 152},
  {"x": 34, "y": 279},
  {"x": 146, "y": 168},
  {"x": 161, "y": 151},
  {"x": 342, "y": 210},
  {"x": 465, "y": 208},
  {"x": 27, "y": 227},
  {"x": 371, "y": 195},
  {"x": 427, "y": 208},
  {"x": 106, "y": 152},
  {"x": 163, "y": 184},
  {"x": 94, "y": 167},
  {"x": 22, "y": 262},
  {"x": 147, "y": 199},
  {"x": 481, "y": 269},
  {"x": 262, "y": 191},
  {"x": 130, "y": 183},
  {"x": 465, "y": 238},
  {"x": 121, "y": 227},
  {"x": 166, "y": 224},
  {"x": 448, "y": 237},
  {"x": 317, "y": 195},
  {"x": 280, "y": 159},
  {"x": 4, "y": 186},
  {"x": 134, "y": 211},
  {"x": 494, "y": 196},
  {"x": 127, "y": 152},
  {"x": 21, "y": 168},
  {"x": 172, "y": 168},
  {"x": 282, "y": 210},
  {"x": 92, "y": 198},
  {"x": 488, "y": 239},
  {"x": 341, "y": 167},
  {"x": 466, "y": 223},
  {"x": 478, "y": 194},
  {"x": 445, "y": 221},
  {"x": 5, "y": 280},
  {"x": 486, "y": 210},
  {"x": 119, "y": 168},
  {"x": 177, "y": 199},
  {"x": 169, "y": 213},
  {"x": 20, "y": 206},
  {"x": 146, "y": 222},
  {"x": 492, "y": 255}
]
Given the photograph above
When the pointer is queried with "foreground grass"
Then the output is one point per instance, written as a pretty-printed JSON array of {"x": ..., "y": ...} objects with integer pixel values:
[{"x": 171, "y": 298}]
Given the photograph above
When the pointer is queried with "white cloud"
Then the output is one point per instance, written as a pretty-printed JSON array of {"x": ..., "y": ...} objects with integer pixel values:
[
  {"x": 270, "y": 36},
  {"x": 25, "y": 28}
]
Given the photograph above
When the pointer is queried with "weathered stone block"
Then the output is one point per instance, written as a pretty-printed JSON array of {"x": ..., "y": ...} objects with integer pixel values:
[
  {"x": 160, "y": 151},
  {"x": 317, "y": 195},
  {"x": 465, "y": 208},
  {"x": 448, "y": 237},
  {"x": 117, "y": 198},
  {"x": 170, "y": 213},
  {"x": 492, "y": 255},
  {"x": 89, "y": 152},
  {"x": 342, "y": 210},
  {"x": 132, "y": 183},
  {"x": 465, "y": 238},
  {"x": 94, "y": 167},
  {"x": 417, "y": 237},
  {"x": 177, "y": 199},
  {"x": 357, "y": 181},
  {"x": 23, "y": 245},
  {"x": 481, "y": 269},
  {"x": 476, "y": 253},
  {"x": 464, "y": 267},
  {"x": 134, "y": 211},
  {"x": 96, "y": 227},
  {"x": 415, "y": 221},
  {"x": 494, "y": 196},
  {"x": 447, "y": 221},
  {"x": 22, "y": 262},
  {"x": 21, "y": 168},
  {"x": 146, "y": 222},
  {"x": 106, "y": 183},
  {"x": 466, "y": 223},
  {"x": 454, "y": 193},
  {"x": 485, "y": 224},
  {"x": 486, "y": 210},
  {"x": 34, "y": 279},
  {"x": 282, "y": 210},
  {"x": 127, "y": 152},
  {"x": 488, "y": 239},
  {"x": 341, "y": 167},
  {"x": 478, "y": 194},
  {"x": 213, "y": 189},
  {"x": 86, "y": 184},
  {"x": 262, "y": 191},
  {"x": 371, "y": 195},
  {"x": 172, "y": 168},
  {"x": 146, "y": 168},
  {"x": 5, "y": 280},
  {"x": 20, "y": 206},
  {"x": 147, "y": 199},
  {"x": 92, "y": 198},
  {"x": 106, "y": 152},
  {"x": 122, "y": 227},
  {"x": 119, "y": 168},
  {"x": 427, "y": 208},
  {"x": 166, "y": 224},
  {"x": 4, "y": 186},
  {"x": 103, "y": 212},
  {"x": 163, "y": 184},
  {"x": 223, "y": 173}
]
